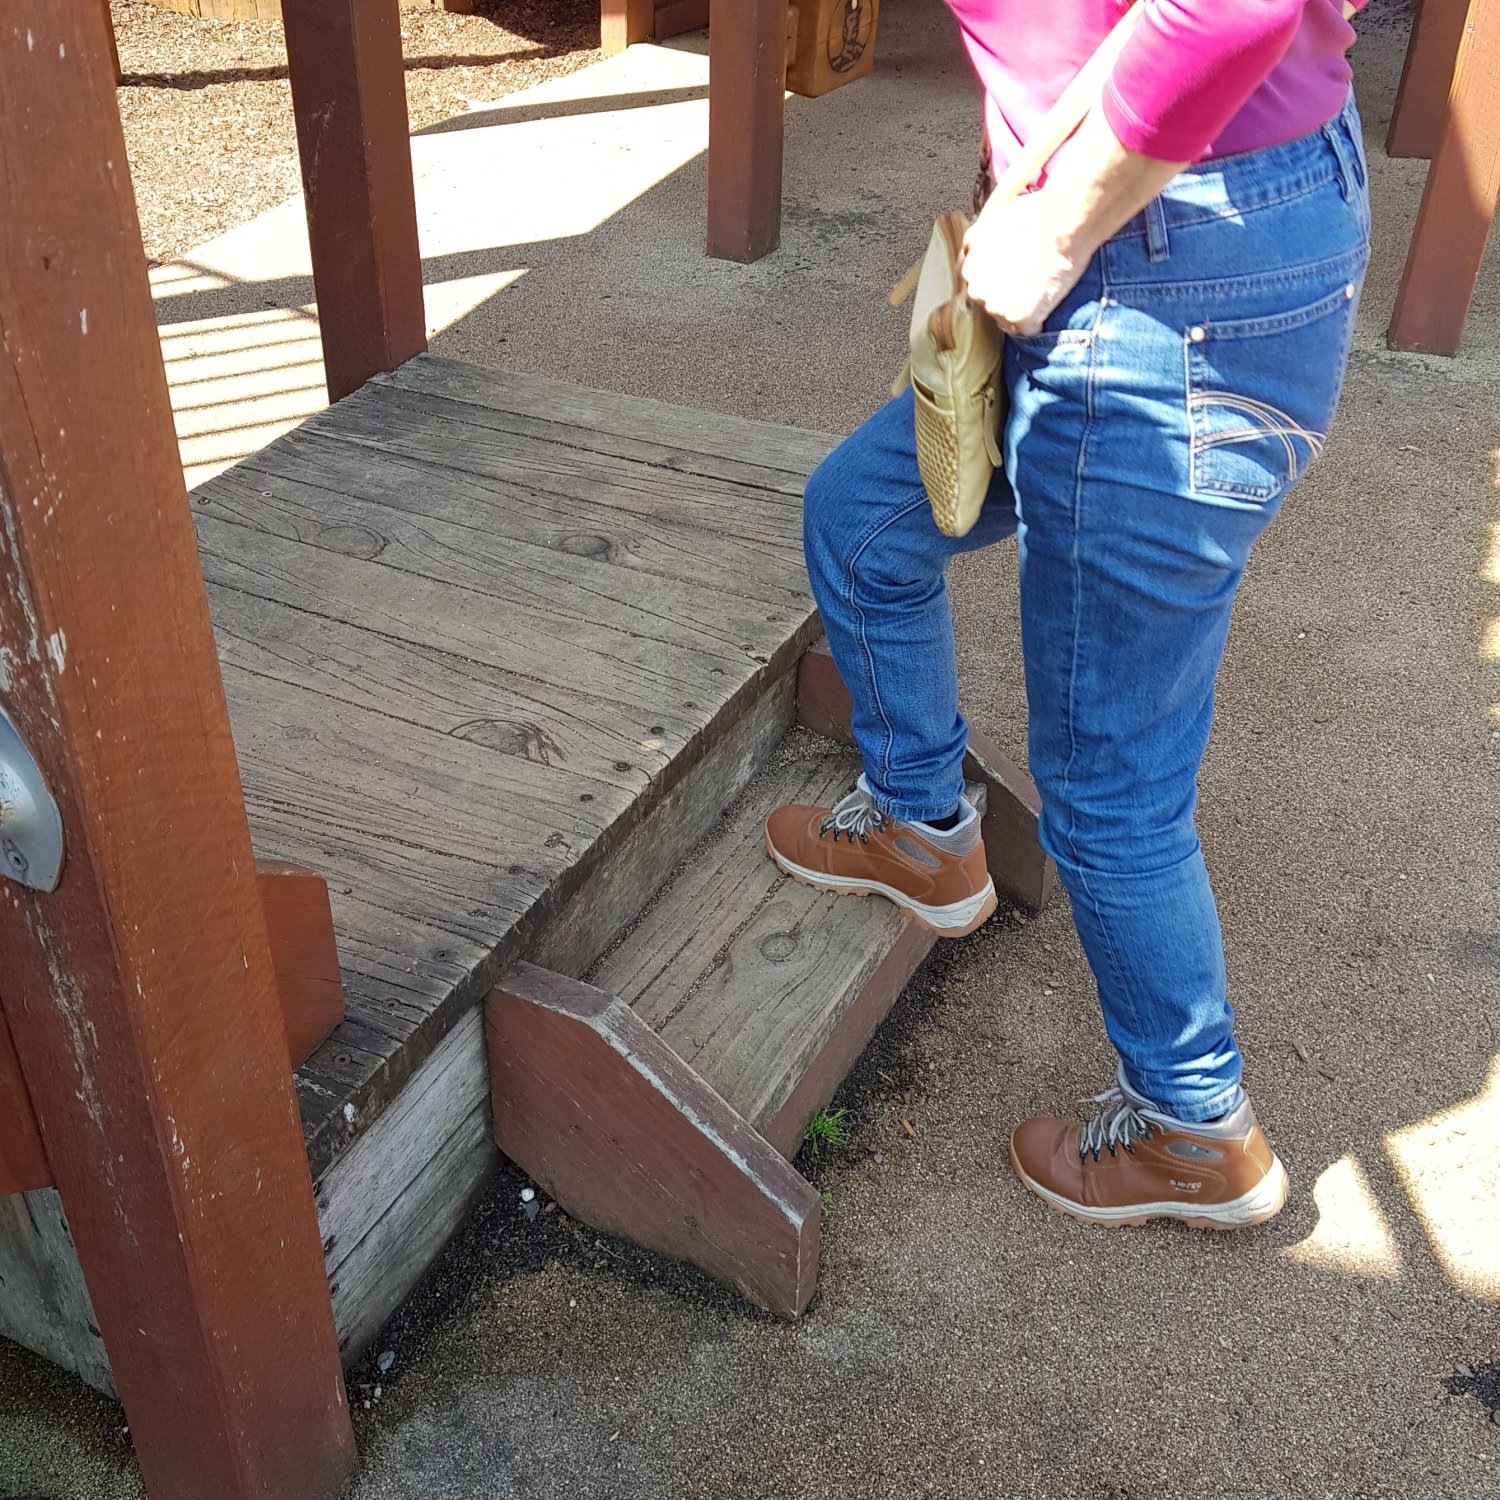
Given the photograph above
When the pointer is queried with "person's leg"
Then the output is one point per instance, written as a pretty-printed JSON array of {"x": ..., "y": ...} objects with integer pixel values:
[
  {"x": 1152, "y": 440},
  {"x": 876, "y": 560}
]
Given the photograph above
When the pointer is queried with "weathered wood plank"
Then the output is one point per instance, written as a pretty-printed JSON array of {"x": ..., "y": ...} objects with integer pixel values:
[
  {"x": 427, "y": 531},
  {"x": 44, "y": 1302},
  {"x": 674, "y": 431},
  {"x": 391, "y": 1204},
  {"x": 613, "y": 1125},
  {"x": 628, "y": 515},
  {"x": 743, "y": 973},
  {"x": 614, "y": 650},
  {"x": 639, "y": 864}
]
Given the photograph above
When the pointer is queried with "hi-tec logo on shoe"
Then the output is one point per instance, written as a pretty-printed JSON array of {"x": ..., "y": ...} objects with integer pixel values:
[
  {"x": 1186, "y": 1187},
  {"x": 1193, "y": 1150}
]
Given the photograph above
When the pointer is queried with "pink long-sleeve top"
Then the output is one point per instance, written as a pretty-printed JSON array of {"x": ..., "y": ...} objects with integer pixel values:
[{"x": 1197, "y": 78}]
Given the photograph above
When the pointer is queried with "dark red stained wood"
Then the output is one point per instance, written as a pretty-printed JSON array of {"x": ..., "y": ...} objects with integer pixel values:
[
  {"x": 349, "y": 95},
  {"x": 23, "y": 1160},
  {"x": 140, "y": 995},
  {"x": 613, "y": 1124},
  {"x": 1426, "y": 76},
  {"x": 1458, "y": 205},
  {"x": 1018, "y": 863},
  {"x": 747, "y": 71},
  {"x": 849, "y": 1038},
  {"x": 673, "y": 17},
  {"x": 109, "y": 33},
  {"x": 299, "y": 925},
  {"x": 623, "y": 23},
  {"x": 309, "y": 988}
]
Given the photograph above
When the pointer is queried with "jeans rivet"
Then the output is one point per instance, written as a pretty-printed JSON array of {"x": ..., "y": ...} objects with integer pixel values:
[
  {"x": 1349, "y": 292},
  {"x": 1197, "y": 335}
]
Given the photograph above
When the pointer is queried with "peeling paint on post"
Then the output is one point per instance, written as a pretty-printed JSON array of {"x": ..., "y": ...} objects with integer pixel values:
[{"x": 153, "y": 1055}]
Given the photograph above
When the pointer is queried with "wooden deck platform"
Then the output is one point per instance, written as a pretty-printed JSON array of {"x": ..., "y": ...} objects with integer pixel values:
[
  {"x": 485, "y": 638},
  {"x": 470, "y": 625},
  {"x": 500, "y": 653}
]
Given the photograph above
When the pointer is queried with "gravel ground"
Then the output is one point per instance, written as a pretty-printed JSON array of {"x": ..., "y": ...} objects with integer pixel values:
[{"x": 208, "y": 111}]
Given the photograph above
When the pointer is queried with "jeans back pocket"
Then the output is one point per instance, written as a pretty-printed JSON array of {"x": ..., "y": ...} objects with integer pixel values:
[{"x": 1261, "y": 393}]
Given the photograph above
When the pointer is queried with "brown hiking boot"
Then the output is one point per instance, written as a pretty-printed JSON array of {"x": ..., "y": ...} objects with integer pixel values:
[
  {"x": 939, "y": 877},
  {"x": 1135, "y": 1163}
]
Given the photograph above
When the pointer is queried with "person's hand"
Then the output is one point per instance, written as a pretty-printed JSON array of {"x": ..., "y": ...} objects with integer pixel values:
[{"x": 1019, "y": 263}]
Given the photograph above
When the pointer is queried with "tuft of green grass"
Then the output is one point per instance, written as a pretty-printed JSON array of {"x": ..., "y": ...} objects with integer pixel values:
[{"x": 827, "y": 1128}]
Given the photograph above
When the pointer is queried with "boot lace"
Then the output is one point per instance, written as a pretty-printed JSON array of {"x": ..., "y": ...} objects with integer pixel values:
[
  {"x": 1117, "y": 1126},
  {"x": 855, "y": 815}
]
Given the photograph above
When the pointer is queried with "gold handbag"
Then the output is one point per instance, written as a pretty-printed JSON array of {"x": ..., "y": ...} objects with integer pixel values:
[{"x": 957, "y": 351}]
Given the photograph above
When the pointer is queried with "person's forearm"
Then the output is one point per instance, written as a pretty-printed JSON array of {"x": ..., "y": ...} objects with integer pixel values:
[
  {"x": 1024, "y": 255},
  {"x": 1096, "y": 186}
]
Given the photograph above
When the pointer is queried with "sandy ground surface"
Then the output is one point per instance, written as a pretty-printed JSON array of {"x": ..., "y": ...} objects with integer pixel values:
[
  {"x": 965, "y": 1343},
  {"x": 208, "y": 110}
]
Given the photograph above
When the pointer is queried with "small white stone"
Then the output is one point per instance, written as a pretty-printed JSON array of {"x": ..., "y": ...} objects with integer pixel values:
[
  {"x": 527, "y": 1194},
  {"x": 1197, "y": 335},
  {"x": 572, "y": 1301},
  {"x": 386, "y": 1360},
  {"x": 349, "y": 1113}
]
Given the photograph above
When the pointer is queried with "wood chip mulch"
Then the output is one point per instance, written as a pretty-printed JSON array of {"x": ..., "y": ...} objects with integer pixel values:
[{"x": 208, "y": 111}]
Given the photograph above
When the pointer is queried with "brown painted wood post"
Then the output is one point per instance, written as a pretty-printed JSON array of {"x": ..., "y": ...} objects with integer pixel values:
[
  {"x": 139, "y": 994},
  {"x": 747, "y": 77},
  {"x": 1426, "y": 76},
  {"x": 349, "y": 95},
  {"x": 109, "y": 32},
  {"x": 1458, "y": 205},
  {"x": 623, "y": 23}
]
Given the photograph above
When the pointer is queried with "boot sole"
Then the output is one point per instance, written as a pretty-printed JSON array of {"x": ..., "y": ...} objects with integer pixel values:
[
  {"x": 1264, "y": 1201},
  {"x": 956, "y": 920}
]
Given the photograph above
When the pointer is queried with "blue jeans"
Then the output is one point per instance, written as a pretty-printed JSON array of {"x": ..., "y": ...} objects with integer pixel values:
[{"x": 1156, "y": 424}]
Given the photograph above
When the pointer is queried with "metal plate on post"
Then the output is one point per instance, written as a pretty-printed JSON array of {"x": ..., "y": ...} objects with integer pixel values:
[{"x": 31, "y": 830}]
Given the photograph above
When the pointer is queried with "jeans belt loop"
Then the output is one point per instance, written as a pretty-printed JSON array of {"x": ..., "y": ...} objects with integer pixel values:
[
  {"x": 1348, "y": 172},
  {"x": 1157, "y": 246}
]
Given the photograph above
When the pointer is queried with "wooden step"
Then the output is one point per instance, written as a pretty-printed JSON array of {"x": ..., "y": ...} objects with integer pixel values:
[
  {"x": 663, "y": 1098},
  {"x": 767, "y": 989}
]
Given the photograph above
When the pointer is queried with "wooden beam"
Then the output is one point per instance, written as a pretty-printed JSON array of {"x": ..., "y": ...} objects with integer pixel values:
[
  {"x": 613, "y": 1124},
  {"x": 349, "y": 95},
  {"x": 140, "y": 994},
  {"x": 1458, "y": 205},
  {"x": 1012, "y": 844},
  {"x": 747, "y": 75},
  {"x": 1426, "y": 77},
  {"x": 109, "y": 33},
  {"x": 623, "y": 23},
  {"x": 304, "y": 954},
  {"x": 309, "y": 988},
  {"x": 673, "y": 17}
]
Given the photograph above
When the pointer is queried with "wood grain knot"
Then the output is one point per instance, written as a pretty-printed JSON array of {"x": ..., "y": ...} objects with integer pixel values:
[{"x": 777, "y": 947}]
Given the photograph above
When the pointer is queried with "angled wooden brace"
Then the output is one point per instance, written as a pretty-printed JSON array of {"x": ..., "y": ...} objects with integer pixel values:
[{"x": 597, "y": 1109}]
